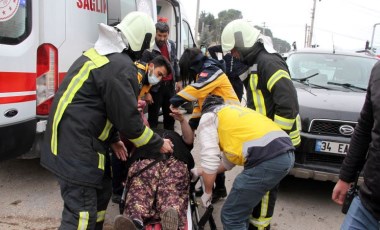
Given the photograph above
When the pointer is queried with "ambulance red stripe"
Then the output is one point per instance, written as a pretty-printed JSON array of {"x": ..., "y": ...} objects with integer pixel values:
[
  {"x": 17, "y": 99},
  {"x": 16, "y": 82}
]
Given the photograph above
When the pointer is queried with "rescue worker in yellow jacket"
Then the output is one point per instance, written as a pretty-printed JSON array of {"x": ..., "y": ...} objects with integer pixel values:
[
  {"x": 203, "y": 75},
  {"x": 98, "y": 95},
  {"x": 241, "y": 136},
  {"x": 270, "y": 92},
  {"x": 151, "y": 74}
]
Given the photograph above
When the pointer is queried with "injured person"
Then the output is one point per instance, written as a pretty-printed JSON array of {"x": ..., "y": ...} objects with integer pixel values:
[{"x": 158, "y": 184}]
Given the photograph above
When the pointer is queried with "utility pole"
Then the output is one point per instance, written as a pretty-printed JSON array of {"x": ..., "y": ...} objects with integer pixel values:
[
  {"x": 197, "y": 22},
  {"x": 263, "y": 28},
  {"x": 307, "y": 33},
  {"x": 312, "y": 24}
]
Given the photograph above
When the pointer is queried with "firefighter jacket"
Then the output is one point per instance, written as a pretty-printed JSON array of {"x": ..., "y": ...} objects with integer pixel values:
[
  {"x": 271, "y": 92},
  {"x": 210, "y": 80},
  {"x": 99, "y": 93},
  {"x": 245, "y": 137}
]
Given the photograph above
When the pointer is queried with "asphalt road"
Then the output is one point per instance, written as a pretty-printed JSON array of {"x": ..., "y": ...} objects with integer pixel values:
[{"x": 30, "y": 199}]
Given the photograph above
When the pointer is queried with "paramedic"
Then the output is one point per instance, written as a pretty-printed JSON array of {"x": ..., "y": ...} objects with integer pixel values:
[{"x": 241, "y": 136}]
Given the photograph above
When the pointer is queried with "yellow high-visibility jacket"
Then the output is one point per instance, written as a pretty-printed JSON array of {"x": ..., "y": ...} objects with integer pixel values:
[
  {"x": 248, "y": 138},
  {"x": 211, "y": 80}
]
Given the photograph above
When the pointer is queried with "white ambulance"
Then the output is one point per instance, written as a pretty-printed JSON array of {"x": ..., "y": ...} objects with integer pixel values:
[{"x": 39, "y": 40}]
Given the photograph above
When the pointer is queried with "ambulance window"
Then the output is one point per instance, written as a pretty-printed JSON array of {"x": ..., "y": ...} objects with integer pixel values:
[
  {"x": 117, "y": 9},
  {"x": 188, "y": 41},
  {"x": 15, "y": 21}
]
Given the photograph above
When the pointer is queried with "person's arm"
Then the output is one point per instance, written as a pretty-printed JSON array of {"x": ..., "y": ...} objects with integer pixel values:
[
  {"x": 187, "y": 131},
  {"x": 212, "y": 50},
  {"x": 209, "y": 149},
  {"x": 120, "y": 97},
  {"x": 284, "y": 97}
]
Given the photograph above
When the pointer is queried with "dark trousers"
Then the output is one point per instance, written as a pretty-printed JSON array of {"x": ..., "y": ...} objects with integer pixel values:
[
  {"x": 84, "y": 206},
  {"x": 264, "y": 215},
  {"x": 161, "y": 99},
  {"x": 220, "y": 181},
  {"x": 119, "y": 174}
]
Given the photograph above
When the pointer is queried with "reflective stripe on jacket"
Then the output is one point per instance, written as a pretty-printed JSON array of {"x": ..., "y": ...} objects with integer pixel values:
[
  {"x": 212, "y": 80},
  {"x": 271, "y": 92}
]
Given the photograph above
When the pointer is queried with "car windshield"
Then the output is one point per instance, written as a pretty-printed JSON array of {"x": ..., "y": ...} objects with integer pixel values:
[{"x": 331, "y": 70}]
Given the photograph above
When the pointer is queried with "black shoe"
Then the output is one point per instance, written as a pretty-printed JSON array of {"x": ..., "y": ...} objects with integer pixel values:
[
  {"x": 218, "y": 194},
  {"x": 116, "y": 198}
]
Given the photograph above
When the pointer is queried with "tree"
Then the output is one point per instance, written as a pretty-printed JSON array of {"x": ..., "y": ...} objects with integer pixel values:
[
  {"x": 225, "y": 17},
  {"x": 210, "y": 29},
  {"x": 279, "y": 45}
]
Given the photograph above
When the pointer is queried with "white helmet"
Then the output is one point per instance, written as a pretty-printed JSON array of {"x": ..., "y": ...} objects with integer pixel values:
[
  {"x": 139, "y": 30},
  {"x": 240, "y": 34}
]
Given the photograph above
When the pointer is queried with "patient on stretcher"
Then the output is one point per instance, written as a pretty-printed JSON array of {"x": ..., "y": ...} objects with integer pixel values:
[{"x": 158, "y": 187}]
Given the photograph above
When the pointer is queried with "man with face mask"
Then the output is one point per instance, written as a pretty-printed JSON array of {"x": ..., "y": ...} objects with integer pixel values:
[
  {"x": 167, "y": 87},
  {"x": 98, "y": 95},
  {"x": 270, "y": 92},
  {"x": 151, "y": 75}
]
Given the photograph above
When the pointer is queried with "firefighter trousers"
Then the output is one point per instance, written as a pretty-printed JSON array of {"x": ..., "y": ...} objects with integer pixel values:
[
  {"x": 84, "y": 206},
  {"x": 263, "y": 212}
]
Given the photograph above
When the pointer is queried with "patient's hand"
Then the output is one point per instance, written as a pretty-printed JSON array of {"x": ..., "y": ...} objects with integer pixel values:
[
  {"x": 167, "y": 147},
  {"x": 176, "y": 113}
]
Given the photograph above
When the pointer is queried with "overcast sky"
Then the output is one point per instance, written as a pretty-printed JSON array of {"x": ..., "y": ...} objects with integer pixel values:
[{"x": 345, "y": 23}]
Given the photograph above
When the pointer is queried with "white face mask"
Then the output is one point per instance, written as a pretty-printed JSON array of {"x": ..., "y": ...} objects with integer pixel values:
[{"x": 153, "y": 79}]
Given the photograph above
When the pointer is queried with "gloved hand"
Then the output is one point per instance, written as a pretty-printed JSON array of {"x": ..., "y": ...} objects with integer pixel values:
[
  {"x": 206, "y": 199},
  {"x": 196, "y": 173}
]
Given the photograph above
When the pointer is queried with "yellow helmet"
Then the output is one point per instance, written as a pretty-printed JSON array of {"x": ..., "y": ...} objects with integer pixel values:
[
  {"x": 139, "y": 30},
  {"x": 239, "y": 34}
]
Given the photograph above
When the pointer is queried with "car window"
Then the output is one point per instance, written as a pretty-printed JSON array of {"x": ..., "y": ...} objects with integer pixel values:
[
  {"x": 336, "y": 68},
  {"x": 15, "y": 21}
]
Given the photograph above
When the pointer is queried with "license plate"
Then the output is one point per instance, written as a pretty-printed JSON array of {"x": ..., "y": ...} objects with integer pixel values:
[{"x": 331, "y": 147}]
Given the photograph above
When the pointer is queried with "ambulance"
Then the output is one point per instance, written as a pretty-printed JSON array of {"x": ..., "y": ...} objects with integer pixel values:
[{"x": 39, "y": 40}]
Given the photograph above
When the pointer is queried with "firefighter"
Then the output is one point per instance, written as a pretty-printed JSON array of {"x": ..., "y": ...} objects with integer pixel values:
[
  {"x": 270, "y": 92},
  {"x": 98, "y": 94},
  {"x": 241, "y": 136}
]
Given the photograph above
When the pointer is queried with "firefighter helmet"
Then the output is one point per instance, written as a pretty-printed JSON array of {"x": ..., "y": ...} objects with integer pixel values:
[
  {"x": 139, "y": 30},
  {"x": 239, "y": 34}
]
